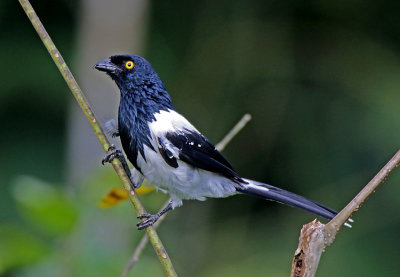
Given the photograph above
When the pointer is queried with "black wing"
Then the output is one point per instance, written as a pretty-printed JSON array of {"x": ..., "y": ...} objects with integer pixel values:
[{"x": 196, "y": 150}]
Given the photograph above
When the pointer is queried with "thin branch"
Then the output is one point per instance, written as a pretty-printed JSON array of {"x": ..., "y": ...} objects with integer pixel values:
[
  {"x": 232, "y": 133},
  {"x": 139, "y": 249},
  {"x": 80, "y": 98},
  {"x": 220, "y": 146},
  {"x": 335, "y": 224},
  {"x": 315, "y": 236}
]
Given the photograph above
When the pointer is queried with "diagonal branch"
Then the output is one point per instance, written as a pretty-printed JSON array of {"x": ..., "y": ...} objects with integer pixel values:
[
  {"x": 80, "y": 98},
  {"x": 335, "y": 224},
  {"x": 233, "y": 132},
  {"x": 315, "y": 236},
  {"x": 141, "y": 246},
  {"x": 220, "y": 146}
]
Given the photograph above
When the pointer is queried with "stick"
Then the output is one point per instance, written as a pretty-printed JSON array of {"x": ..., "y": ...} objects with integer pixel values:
[
  {"x": 315, "y": 236},
  {"x": 80, "y": 98}
]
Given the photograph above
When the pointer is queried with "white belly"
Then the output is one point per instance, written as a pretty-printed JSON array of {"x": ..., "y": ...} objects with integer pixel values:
[{"x": 185, "y": 181}]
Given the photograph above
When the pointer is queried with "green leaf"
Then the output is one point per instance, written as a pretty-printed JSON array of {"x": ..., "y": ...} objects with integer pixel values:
[
  {"x": 18, "y": 247},
  {"x": 45, "y": 206}
]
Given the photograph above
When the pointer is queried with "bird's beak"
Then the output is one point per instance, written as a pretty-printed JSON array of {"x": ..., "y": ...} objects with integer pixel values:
[{"x": 107, "y": 66}]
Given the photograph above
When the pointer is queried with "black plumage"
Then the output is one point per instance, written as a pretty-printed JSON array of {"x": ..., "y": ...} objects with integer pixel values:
[
  {"x": 196, "y": 150},
  {"x": 166, "y": 149}
]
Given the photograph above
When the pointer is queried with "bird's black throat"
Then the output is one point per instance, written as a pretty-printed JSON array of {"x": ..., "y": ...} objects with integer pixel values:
[{"x": 137, "y": 108}]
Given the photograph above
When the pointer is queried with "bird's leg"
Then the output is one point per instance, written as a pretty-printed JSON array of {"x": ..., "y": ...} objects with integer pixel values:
[
  {"x": 113, "y": 153},
  {"x": 150, "y": 219},
  {"x": 136, "y": 179}
]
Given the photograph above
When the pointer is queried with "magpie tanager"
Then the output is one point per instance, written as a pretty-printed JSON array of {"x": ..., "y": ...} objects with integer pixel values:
[{"x": 170, "y": 152}]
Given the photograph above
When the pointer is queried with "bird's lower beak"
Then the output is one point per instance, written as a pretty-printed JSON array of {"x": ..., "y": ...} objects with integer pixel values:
[{"x": 107, "y": 66}]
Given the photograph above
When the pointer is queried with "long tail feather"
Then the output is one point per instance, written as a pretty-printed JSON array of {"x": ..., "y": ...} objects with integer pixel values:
[{"x": 272, "y": 193}]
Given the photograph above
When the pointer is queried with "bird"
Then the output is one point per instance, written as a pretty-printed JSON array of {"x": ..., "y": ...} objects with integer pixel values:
[{"x": 167, "y": 150}]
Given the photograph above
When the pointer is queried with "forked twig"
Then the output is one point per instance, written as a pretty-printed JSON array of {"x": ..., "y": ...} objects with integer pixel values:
[{"x": 315, "y": 236}]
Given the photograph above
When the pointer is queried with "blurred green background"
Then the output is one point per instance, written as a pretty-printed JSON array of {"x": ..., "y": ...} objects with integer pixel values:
[{"x": 320, "y": 78}]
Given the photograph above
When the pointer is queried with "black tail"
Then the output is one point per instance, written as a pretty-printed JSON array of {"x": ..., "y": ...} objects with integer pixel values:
[{"x": 276, "y": 194}]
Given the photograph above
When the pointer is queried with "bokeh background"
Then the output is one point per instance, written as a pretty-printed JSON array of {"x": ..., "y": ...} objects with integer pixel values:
[{"x": 320, "y": 78}]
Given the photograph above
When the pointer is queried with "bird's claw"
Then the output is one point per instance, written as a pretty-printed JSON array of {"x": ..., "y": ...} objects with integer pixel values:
[
  {"x": 113, "y": 153},
  {"x": 149, "y": 219}
]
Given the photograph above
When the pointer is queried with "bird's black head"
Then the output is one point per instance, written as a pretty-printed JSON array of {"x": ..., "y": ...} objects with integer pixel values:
[
  {"x": 142, "y": 96},
  {"x": 129, "y": 72}
]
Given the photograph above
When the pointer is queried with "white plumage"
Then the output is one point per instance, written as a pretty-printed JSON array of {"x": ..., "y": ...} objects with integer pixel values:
[{"x": 185, "y": 181}]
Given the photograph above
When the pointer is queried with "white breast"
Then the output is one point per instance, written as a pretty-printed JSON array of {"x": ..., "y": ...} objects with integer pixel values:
[{"x": 185, "y": 181}]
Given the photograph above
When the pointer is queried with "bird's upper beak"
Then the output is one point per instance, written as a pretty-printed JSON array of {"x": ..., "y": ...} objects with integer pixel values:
[{"x": 107, "y": 66}]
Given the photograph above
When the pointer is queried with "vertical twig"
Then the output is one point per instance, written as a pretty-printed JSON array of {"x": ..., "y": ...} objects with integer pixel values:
[{"x": 80, "y": 98}]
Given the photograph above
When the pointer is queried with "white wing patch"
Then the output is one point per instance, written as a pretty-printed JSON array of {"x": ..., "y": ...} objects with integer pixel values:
[{"x": 169, "y": 121}]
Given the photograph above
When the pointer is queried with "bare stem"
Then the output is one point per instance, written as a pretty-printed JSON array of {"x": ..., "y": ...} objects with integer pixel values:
[
  {"x": 335, "y": 224},
  {"x": 80, "y": 98},
  {"x": 139, "y": 249},
  {"x": 315, "y": 236},
  {"x": 220, "y": 146},
  {"x": 232, "y": 133}
]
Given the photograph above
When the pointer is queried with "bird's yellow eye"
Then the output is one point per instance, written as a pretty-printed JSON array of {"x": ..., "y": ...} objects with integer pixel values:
[{"x": 129, "y": 65}]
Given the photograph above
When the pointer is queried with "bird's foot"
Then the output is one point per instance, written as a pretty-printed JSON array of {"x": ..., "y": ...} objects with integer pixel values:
[
  {"x": 149, "y": 219},
  {"x": 113, "y": 153}
]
